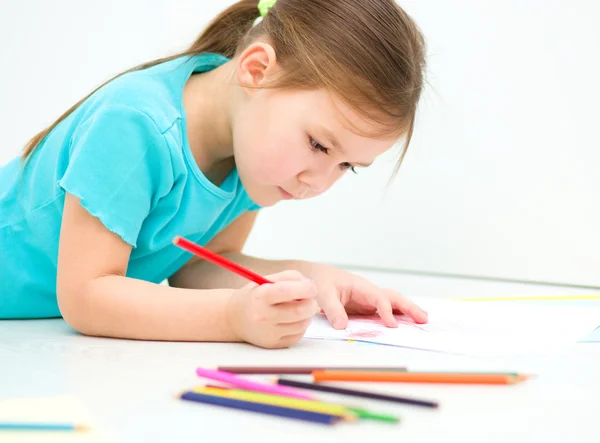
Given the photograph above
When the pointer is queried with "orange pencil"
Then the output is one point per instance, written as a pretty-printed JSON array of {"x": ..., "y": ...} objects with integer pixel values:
[{"x": 416, "y": 377}]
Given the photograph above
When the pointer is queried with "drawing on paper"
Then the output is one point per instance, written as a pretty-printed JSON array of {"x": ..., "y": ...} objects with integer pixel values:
[{"x": 364, "y": 333}]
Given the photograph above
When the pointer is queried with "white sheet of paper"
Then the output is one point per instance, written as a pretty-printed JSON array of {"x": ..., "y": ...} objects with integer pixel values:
[
  {"x": 63, "y": 408},
  {"x": 479, "y": 329}
]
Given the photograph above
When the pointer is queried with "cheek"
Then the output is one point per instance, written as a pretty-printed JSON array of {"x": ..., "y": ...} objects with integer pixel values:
[
  {"x": 277, "y": 159},
  {"x": 268, "y": 150}
]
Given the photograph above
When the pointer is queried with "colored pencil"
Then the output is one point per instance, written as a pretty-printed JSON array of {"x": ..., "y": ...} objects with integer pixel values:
[
  {"x": 368, "y": 415},
  {"x": 250, "y": 385},
  {"x": 535, "y": 298},
  {"x": 416, "y": 377},
  {"x": 357, "y": 393},
  {"x": 359, "y": 412},
  {"x": 308, "y": 370},
  {"x": 26, "y": 426},
  {"x": 298, "y": 414},
  {"x": 291, "y": 370},
  {"x": 277, "y": 400},
  {"x": 219, "y": 260}
]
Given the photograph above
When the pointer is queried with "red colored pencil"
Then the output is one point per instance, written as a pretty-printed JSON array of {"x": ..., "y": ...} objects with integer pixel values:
[{"x": 219, "y": 260}]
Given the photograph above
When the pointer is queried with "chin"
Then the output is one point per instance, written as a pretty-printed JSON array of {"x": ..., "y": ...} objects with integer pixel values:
[
  {"x": 263, "y": 200},
  {"x": 269, "y": 202}
]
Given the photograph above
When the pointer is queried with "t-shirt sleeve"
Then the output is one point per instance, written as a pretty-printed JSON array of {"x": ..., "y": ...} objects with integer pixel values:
[{"x": 116, "y": 165}]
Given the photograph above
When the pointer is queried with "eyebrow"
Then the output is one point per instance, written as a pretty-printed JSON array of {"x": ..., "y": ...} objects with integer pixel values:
[{"x": 333, "y": 142}]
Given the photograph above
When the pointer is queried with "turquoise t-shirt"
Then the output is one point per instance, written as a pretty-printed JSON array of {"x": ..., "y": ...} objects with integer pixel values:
[{"x": 124, "y": 153}]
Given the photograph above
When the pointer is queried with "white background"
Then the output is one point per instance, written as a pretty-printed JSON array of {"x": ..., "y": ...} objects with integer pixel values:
[{"x": 500, "y": 180}]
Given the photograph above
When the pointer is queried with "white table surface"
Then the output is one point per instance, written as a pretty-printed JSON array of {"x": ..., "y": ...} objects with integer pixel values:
[{"x": 129, "y": 386}]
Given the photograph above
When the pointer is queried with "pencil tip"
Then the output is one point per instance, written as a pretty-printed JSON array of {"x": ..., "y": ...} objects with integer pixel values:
[{"x": 176, "y": 239}]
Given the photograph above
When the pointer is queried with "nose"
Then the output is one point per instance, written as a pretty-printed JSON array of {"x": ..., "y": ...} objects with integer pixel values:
[{"x": 314, "y": 183}]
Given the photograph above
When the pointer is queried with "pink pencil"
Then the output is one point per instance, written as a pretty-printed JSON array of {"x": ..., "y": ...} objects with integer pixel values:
[{"x": 249, "y": 385}]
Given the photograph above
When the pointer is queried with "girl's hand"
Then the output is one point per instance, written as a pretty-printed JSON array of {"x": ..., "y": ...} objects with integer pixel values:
[
  {"x": 341, "y": 293},
  {"x": 273, "y": 315}
]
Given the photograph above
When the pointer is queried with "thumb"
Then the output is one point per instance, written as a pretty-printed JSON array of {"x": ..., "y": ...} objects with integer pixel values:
[{"x": 334, "y": 310}]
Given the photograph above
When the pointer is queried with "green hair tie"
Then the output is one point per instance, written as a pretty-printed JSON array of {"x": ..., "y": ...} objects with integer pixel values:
[{"x": 265, "y": 5}]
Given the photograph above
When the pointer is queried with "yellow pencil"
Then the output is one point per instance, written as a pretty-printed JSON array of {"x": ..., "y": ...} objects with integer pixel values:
[
  {"x": 534, "y": 298},
  {"x": 276, "y": 400}
]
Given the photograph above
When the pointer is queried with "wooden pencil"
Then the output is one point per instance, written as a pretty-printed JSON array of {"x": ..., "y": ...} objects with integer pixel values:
[
  {"x": 278, "y": 400},
  {"x": 35, "y": 426},
  {"x": 357, "y": 393},
  {"x": 299, "y": 370},
  {"x": 219, "y": 260},
  {"x": 416, "y": 377},
  {"x": 279, "y": 411},
  {"x": 347, "y": 413}
]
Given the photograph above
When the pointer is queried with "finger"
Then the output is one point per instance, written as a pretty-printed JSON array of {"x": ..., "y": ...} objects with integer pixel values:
[
  {"x": 295, "y": 328},
  {"x": 384, "y": 309},
  {"x": 377, "y": 298},
  {"x": 286, "y": 275},
  {"x": 333, "y": 309},
  {"x": 287, "y": 291},
  {"x": 292, "y": 312},
  {"x": 404, "y": 305},
  {"x": 290, "y": 340}
]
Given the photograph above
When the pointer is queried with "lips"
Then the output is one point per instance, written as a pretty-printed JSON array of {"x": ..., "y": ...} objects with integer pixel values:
[{"x": 286, "y": 195}]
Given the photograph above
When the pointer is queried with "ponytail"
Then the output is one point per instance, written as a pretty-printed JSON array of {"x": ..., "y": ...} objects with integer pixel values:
[{"x": 224, "y": 34}]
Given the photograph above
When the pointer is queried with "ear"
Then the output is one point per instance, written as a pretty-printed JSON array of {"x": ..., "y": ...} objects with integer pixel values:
[{"x": 256, "y": 63}]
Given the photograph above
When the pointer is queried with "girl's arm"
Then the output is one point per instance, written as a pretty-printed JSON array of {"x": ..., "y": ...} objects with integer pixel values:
[
  {"x": 96, "y": 298},
  {"x": 339, "y": 293}
]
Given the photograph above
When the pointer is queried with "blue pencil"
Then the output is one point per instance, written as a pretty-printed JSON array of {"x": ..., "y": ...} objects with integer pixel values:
[
  {"x": 298, "y": 414},
  {"x": 25, "y": 426}
]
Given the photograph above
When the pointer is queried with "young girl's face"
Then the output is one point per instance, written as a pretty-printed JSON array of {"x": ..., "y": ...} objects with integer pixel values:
[{"x": 297, "y": 144}]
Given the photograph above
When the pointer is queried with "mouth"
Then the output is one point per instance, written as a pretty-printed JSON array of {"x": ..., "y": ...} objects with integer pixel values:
[{"x": 286, "y": 195}]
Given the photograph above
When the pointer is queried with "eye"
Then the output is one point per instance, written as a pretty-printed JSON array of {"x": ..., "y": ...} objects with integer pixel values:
[
  {"x": 316, "y": 146},
  {"x": 345, "y": 166}
]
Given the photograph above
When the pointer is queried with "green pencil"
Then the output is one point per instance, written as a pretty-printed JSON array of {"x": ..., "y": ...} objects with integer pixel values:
[{"x": 368, "y": 415}]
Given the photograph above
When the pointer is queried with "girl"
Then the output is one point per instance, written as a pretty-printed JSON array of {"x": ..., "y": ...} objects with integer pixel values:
[{"x": 253, "y": 113}]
